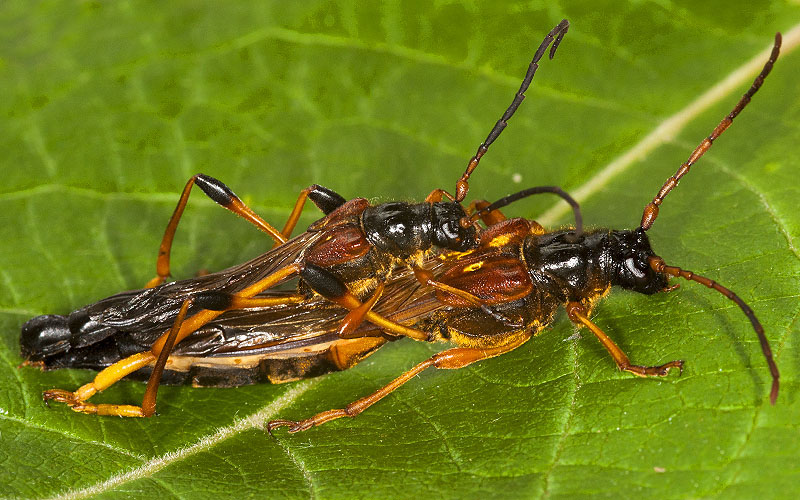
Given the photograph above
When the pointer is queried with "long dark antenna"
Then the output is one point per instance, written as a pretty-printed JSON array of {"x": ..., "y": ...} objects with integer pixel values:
[
  {"x": 554, "y": 37},
  {"x": 658, "y": 265},
  {"x": 507, "y": 200},
  {"x": 651, "y": 210}
]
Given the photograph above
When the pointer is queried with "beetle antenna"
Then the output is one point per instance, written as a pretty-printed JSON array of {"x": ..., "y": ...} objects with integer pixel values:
[
  {"x": 658, "y": 265},
  {"x": 507, "y": 200},
  {"x": 651, "y": 210},
  {"x": 554, "y": 37}
]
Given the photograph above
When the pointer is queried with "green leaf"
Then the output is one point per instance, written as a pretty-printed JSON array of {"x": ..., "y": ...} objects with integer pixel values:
[{"x": 110, "y": 107}]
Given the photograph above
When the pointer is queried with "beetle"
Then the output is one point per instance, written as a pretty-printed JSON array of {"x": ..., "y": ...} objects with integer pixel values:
[{"x": 227, "y": 328}]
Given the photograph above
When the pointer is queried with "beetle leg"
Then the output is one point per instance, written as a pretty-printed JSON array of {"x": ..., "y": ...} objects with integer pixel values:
[
  {"x": 223, "y": 196},
  {"x": 150, "y": 393},
  {"x": 362, "y": 312},
  {"x": 488, "y": 218},
  {"x": 356, "y": 316},
  {"x": 331, "y": 287},
  {"x": 105, "y": 379},
  {"x": 214, "y": 300},
  {"x": 325, "y": 199},
  {"x": 425, "y": 277},
  {"x": 437, "y": 195},
  {"x": 451, "y": 359},
  {"x": 577, "y": 313}
]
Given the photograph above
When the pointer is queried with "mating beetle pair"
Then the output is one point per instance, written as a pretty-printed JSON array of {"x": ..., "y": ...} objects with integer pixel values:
[{"x": 367, "y": 275}]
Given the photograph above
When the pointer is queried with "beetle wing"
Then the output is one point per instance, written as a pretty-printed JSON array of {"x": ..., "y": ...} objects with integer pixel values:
[
  {"x": 143, "y": 315},
  {"x": 279, "y": 328}
]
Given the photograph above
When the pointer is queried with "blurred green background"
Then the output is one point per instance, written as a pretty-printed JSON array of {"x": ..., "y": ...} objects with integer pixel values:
[{"x": 108, "y": 108}]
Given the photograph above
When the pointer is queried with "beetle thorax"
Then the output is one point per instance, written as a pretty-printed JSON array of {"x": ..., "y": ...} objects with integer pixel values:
[{"x": 404, "y": 229}]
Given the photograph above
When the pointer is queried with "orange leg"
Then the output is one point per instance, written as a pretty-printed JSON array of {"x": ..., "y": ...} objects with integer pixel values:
[
  {"x": 331, "y": 287},
  {"x": 359, "y": 312},
  {"x": 437, "y": 195},
  {"x": 295, "y": 215},
  {"x": 223, "y": 196},
  {"x": 577, "y": 313},
  {"x": 426, "y": 278},
  {"x": 356, "y": 316},
  {"x": 324, "y": 198},
  {"x": 149, "y": 399},
  {"x": 105, "y": 379},
  {"x": 77, "y": 400},
  {"x": 489, "y": 218},
  {"x": 204, "y": 316},
  {"x": 450, "y": 359},
  {"x": 362, "y": 311}
]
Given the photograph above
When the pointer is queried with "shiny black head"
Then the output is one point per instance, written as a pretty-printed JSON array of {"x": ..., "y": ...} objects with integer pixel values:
[
  {"x": 629, "y": 266},
  {"x": 447, "y": 231}
]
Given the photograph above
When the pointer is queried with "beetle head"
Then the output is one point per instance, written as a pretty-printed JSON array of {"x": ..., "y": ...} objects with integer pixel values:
[{"x": 629, "y": 264}]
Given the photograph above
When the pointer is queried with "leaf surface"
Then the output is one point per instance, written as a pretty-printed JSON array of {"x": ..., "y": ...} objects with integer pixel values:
[{"x": 109, "y": 109}]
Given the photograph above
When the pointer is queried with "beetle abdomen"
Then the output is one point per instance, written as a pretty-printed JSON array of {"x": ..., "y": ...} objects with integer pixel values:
[
  {"x": 74, "y": 341},
  {"x": 44, "y": 336}
]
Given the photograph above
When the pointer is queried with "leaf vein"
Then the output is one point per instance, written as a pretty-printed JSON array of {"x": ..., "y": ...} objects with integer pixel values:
[{"x": 567, "y": 422}]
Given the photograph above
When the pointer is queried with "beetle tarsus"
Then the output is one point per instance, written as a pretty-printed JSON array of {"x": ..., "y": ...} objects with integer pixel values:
[
  {"x": 654, "y": 371},
  {"x": 60, "y": 396},
  {"x": 291, "y": 424}
]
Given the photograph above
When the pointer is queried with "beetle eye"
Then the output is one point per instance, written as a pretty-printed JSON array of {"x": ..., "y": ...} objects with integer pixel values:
[
  {"x": 631, "y": 265},
  {"x": 450, "y": 231}
]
